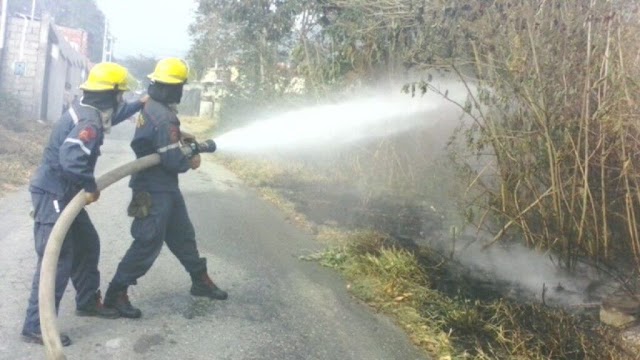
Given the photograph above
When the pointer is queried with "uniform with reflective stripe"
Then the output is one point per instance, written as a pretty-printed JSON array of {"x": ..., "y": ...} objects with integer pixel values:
[
  {"x": 68, "y": 162},
  {"x": 67, "y": 166},
  {"x": 167, "y": 220},
  {"x": 158, "y": 132}
]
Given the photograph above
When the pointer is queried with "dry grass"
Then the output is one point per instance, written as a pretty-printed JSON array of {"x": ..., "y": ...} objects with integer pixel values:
[
  {"x": 201, "y": 128},
  {"x": 287, "y": 207},
  {"x": 254, "y": 172},
  {"x": 20, "y": 153},
  {"x": 399, "y": 284},
  {"x": 555, "y": 118}
]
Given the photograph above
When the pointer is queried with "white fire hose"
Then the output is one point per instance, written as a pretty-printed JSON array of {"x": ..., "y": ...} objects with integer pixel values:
[
  {"x": 46, "y": 293},
  {"x": 47, "y": 307}
]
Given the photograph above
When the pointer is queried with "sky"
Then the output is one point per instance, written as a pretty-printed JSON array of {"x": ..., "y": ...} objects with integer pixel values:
[{"x": 156, "y": 28}]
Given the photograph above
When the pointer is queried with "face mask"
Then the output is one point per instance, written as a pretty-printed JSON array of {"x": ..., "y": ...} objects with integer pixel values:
[{"x": 106, "y": 117}]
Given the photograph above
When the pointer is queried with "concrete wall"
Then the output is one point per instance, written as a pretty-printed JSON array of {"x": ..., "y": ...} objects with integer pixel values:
[
  {"x": 65, "y": 66},
  {"x": 21, "y": 71},
  {"x": 3, "y": 23},
  {"x": 37, "y": 64},
  {"x": 57, "y": 71}
]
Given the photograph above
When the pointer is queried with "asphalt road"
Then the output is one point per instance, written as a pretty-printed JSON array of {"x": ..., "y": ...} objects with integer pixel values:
[{"x": 278, "y": 308}]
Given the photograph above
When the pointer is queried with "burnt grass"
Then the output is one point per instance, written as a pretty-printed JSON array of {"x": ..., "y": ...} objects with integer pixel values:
[{"x": 409, "y": 225}]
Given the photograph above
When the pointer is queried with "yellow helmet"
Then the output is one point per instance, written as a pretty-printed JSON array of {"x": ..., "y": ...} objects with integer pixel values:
[
  {"x": 107, "y": 76},
  {"x": 170, "y": 71}
]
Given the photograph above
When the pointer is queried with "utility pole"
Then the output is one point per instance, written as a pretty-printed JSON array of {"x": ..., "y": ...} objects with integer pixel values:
[
  {"x": 111, "y": 41},
  {"x": 107, "y": 43},
  {"x": 3, "y": 23},
  {"x": 3, "y": 30},
  {"x": 105, "y": 39}
]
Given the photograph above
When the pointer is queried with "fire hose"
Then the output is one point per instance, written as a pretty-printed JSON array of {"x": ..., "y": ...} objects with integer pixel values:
[{"x": 46, "y": 293}]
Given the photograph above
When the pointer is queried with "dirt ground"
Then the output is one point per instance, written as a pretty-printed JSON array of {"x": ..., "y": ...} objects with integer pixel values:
[
  {"x": 347, "y": 208},
  {"x": 20, "y": 153}
]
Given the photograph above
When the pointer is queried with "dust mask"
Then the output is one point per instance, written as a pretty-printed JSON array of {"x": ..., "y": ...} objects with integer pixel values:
[{"x": 106, "y": 116}]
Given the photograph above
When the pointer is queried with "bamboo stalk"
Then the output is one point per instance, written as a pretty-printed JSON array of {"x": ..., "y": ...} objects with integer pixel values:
[{"x": 522, "y": 213}]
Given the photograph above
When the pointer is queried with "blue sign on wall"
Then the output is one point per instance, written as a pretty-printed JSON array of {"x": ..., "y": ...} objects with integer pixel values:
[{"x": 19, "y": 68}]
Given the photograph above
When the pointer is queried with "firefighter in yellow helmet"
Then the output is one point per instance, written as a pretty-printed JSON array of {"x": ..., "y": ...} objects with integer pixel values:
[
  {"x": 170, "y": 71},
  {"x": 158, "y": 207},
  {"x": 106, "y": 76},
  {"x": 67, "y": 167}
]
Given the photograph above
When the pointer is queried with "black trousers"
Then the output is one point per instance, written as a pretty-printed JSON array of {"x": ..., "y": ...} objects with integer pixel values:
[
  {"x": 168, "y": 222},
  {"x": 79, "y": 256}
]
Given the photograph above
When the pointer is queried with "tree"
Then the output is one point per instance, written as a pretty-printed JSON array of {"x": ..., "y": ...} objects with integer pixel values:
[{"x": 247, "y": 34}]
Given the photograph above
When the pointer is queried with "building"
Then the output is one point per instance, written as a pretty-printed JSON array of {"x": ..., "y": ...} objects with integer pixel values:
[
  {"x": 77, "y": 38},
  {"x": 39, "y": 66}
]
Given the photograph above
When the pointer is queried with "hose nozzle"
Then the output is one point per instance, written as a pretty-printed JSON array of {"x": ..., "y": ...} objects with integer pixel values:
[
  {"x": 194, "y": 148},
  {"x": 208, "y": 146}
]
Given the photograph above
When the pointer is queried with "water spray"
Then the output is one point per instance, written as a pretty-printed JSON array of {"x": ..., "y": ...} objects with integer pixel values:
[{"x": 334, "y": 125}]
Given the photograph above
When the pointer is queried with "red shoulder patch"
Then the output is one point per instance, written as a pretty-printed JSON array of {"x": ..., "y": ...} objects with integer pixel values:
[
  {"x": 174, "y": 134},
  {"x": 87, "y": 134}
]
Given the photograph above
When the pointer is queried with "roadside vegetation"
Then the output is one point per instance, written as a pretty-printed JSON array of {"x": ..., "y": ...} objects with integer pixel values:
[
  {"x": 459, "y": 322},
  {"x": 21, "y": 144},
  {"x": 445, "y": 309},
  {"x": 546, "y": 156}
]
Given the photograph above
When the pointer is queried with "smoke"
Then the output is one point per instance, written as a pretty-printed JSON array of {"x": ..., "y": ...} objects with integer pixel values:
[{"x": 532, "y": 274}]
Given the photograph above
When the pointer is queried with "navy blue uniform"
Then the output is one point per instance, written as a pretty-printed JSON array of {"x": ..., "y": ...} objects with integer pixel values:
[
  {"x": 67, "y": 167},
  {"x": 167, "y": 221}
]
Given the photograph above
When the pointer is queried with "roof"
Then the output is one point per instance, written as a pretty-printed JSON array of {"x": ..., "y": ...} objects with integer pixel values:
[
  {"x": 73, "y": 56},
  {"x": 67, "y": 51}
]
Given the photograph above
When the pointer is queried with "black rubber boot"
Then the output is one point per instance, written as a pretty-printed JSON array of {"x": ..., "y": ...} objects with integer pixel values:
[
  {"x": 117, "y": 298},
  {"x": 97, "y": 309},
  {"x": 36, "y": 338},
  {"x": 202, "y": 285}
]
